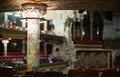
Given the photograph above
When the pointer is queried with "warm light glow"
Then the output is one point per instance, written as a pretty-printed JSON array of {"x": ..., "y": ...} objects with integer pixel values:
[
  {"x": 83, "y": 33},
  {"x": 9, "y": 38}
]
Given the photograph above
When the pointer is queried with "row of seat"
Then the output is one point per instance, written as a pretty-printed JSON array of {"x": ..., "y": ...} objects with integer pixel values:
[
  {"x": 16, "y": 53},
  {"x": 91, "y": 42},
  {"x": 45, "y": 74},
  {"x": 23, "y": 76},
  {"x": 94, "y": 73},
  {"x": 41, "y": 74},
  {"x": 19, "y": 56},
  {"x": 13, "y": 56},
  {"x": 11, "y": 72}
]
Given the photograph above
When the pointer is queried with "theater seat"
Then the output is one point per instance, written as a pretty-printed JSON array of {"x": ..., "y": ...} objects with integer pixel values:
[
  {"x": 53, "y": 74},
  {"x": 23, "y": 76}
]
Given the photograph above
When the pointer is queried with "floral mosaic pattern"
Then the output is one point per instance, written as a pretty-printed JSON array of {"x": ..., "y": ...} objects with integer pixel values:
[
  {"x": 33, "y": 37},
  {"x": 92, "y": 59}
]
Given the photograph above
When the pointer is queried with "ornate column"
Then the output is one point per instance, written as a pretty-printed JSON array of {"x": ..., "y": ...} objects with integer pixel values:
[
  {"x": 91, "y": 25},
  {"x": 23, "y": 46},
  {"x": 45, "y": 50},
  {"x": 5, "y": 42},
  {"x": 32, "y": 12},
  {"x": 45, "y": 26},
  {"x": 81, "y": 26}
]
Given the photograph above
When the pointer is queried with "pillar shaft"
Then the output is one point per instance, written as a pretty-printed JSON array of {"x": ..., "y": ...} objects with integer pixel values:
[
  {"x": 91, "y": 25},
  {"x": 5, "y": 42},
  {"x": 33, "y": 37},
  {"x": 23, "y": 46}
]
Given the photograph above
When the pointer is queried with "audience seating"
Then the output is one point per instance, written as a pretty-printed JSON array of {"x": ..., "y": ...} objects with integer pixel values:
[
  {"x": 45, "y": 74},
  {"x": 6, "y": 72},
  {"x": 13, "y": 56},
  {"x": 22, "y": 76},
  {"x": 53, "y": 74},
  {"x": 9, "y": 72},
  {"x": 94, "y": 73},
  {"x": 35, "y": 74},
  {"x": 81, "y": 73},
  {"x": 110, "y": 73}
]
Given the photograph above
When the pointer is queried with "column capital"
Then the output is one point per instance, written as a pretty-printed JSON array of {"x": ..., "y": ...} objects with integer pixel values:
[{"x": 5, "y": 41}]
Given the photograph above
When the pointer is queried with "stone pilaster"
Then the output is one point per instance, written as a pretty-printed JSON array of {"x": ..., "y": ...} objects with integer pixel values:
[{"x": 5, "y": 42}]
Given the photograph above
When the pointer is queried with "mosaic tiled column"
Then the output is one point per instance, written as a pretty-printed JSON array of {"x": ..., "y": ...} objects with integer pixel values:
[
  {"x": 33, "y": 37},
  {"x": 31, "y": 13}
]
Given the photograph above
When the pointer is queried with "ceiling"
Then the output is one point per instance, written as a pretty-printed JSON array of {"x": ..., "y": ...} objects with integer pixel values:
[{"x": 101, "y": 5}]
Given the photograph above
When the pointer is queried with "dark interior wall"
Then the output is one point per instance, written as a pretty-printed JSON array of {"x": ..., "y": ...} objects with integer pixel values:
[
  {"x": 1, "y": 48},
  {"x": 15, "y": 46},
  {"x": 2, "y": 18}
]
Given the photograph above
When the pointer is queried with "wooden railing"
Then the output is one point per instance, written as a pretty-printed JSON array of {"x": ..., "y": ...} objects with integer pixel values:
[{"x": 11, "y": 33}]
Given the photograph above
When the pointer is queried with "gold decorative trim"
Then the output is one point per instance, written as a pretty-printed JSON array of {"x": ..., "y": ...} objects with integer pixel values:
[{"x": 14, "y": 34}]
